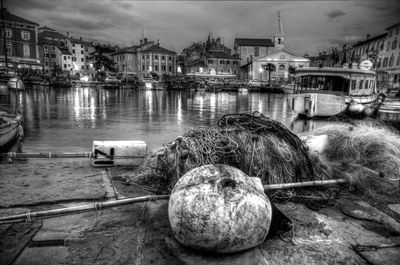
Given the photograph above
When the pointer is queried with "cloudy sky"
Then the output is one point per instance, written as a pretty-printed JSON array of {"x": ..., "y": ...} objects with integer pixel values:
[{"x": 310, "y": 26}]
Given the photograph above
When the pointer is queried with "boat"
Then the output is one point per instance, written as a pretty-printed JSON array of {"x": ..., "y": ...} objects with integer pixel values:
[
  {"x": 152, "y": 84},
  {"x": 328, "y": 91},
  {"x": 11, "y": 129}
]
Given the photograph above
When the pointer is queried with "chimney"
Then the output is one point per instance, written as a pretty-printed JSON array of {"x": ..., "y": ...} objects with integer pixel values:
[
  {"x": 67, "y": 34},
  {"x": 140, "y": 42},
  {"x": 158, "y": 42},
  {"x": 368, "y": 36},
  {"x": 80, "y": 38},
  {"x": 145, "y": 40}
]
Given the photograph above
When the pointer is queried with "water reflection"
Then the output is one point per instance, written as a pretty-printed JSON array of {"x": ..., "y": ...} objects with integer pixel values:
[{"x": 66, "y": 120}]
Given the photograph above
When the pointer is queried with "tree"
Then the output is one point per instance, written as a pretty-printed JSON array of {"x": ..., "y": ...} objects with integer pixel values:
[
  {"x": 270, "y": 67},
  {"x": 102, "y": 62}
]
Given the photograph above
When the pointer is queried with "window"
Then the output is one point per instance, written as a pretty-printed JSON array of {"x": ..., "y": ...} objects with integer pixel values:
[
  {"x": 210, "y": 61},
  {"x": 385, "y": 61},
  {"x": 282, "y": 67},
  {"x": 27, "y": 52},
  {"x": 163, "y": 68},
  {"x": 26, "y": 35},
  {"x": 156, "y": 68},
  {"x": 82, "y": 60},
  {"x": 366, "y": 84},
  {"x": 163, "y": 58},
  {"x": 156, "y": 58},
  {"x": 73, "y": 59},
  {"x": 398, "y": 60},
  {"x": 73, "y": 44},
  {"x": 388, "y": 46},
  {"x": 143, "y": 66},
  {"x": 73, "y": 50},
  {"x": 9, "y": 49},
  {"x": 46, "y": 50},
  {"x": 353, "y": 84},
  {"x": 282, "y": 57},
  {"x": 65, "y": 57},
  {"x": 81, "y": 51},
  {"x": 69, "y": 57},
  {"x": 8, "y": 33},
  {"x": 47, "y": 63},
  {"x": 361, "y": 84},
  {"x": 235, "y": 62},
  {"x": 256, "y": 51},
  {"x": 143, "y": 58},
  {"x": 391, "y": 60},
  {"x": 169, "y": 58},
  {"x": 53, "y": 55},
  {"x": 65, "y": 66},
  {"x": 170, "y": 68},
  {"x": 394, "y": 44},
  {"x": 81, "y": 45},
  {"x": 279, "y": 40},
  {"x": 148, "y": 57},
  {"x": 228, "y": 62},
  {"x": 222, "y": 62}
]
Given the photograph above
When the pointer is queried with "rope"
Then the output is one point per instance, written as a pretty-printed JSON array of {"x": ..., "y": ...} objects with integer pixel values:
[{"x": 28, "y": 217}]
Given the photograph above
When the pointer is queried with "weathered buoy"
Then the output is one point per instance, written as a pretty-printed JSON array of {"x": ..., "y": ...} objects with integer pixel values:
[{"x": 220, "y": 209}]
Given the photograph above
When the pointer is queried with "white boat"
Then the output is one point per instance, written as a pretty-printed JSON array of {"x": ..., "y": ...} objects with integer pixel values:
[{"x": 323, "y": 92}]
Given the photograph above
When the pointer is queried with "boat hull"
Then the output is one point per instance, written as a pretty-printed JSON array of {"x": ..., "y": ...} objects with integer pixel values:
[
  {"x": 313, "y": 105},
  {"x": 10, "y": 131}
]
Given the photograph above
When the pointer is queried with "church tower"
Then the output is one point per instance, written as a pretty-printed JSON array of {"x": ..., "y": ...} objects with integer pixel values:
[{"x": 279, "y": 37}]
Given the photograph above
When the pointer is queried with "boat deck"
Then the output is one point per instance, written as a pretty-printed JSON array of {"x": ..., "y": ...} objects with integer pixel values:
[{"x": 140, "y": 233}]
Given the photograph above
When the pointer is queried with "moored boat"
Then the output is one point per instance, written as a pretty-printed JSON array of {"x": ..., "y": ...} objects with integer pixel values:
[
  {"x": 323, "y": 92},
  {"x": 10, "y": 129}
]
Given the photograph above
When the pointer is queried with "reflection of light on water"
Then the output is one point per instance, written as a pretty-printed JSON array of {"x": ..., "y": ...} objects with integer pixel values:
[
  {"x": 260, "y": 106},
  {"x": 149, "y": 101},
  {"x": 179, "y": 112},
  {"x": 213, "y": 100},
  {"x": 92, "y": 111},
  {"x": 77, "y": 104}
]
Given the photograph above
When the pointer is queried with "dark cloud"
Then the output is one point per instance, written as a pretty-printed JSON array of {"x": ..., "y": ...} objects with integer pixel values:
[{"x": 334, "y": 14}]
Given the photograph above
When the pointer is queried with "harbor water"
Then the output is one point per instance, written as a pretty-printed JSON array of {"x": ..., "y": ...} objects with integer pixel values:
[{"x": 69, "y": 119}]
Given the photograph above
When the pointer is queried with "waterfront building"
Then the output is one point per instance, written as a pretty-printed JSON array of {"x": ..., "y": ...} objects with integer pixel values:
[
  {"x": 282, "y": 63},
  {"x": 279, "y": 60},
  {"x": 391, "y": 56},
  {"x": 248, "y": 49},
  {"x": 21, "y": 43},
  {"x": 52, "y": 49},
  {"x": 146, "y": 58},
  {"x": 210, "y": 57},
  {"x": 77, "y": 49}
]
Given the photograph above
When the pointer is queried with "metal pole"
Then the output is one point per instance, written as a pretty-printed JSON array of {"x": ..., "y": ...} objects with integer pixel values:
[{"x": 4, "y": 35}]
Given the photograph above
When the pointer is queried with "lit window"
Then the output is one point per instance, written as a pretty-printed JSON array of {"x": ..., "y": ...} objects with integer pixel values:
[
  {"x": 9, "y": 49},
  {"x": 25, "y": 35},
  {"x": 8, "y": 33},
  {"x": 26, "y": 51}
]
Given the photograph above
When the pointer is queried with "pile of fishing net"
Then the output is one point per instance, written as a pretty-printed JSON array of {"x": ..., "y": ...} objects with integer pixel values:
[
  {"x": 367, "y": 154},
  {"x": 256, "y": 144}
]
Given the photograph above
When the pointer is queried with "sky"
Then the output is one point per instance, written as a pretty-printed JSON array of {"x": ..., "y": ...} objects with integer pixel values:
[{"x": 310, "y": 26}]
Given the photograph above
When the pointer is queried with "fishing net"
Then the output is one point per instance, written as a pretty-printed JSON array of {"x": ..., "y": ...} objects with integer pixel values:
[
  {"x": 256, "y": 144},
  {"x": 367, "y": 154}
]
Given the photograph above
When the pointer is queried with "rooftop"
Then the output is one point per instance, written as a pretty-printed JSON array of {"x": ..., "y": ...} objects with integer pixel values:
[
  {"x": 51, "y": 35},
  {"x": 156, "y": 48},
  {"x": 221, "y": 55},
  {"x": 11, "y": 17},
  {"x": 253, "y": 42}
]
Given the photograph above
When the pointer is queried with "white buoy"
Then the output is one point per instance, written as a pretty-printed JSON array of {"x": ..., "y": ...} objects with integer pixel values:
[
  {"x": 118, "y": 153},
  {"x": 220, "y": 209}
]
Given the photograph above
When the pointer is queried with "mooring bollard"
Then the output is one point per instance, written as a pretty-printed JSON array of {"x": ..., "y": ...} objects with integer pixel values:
[{"x": 118, "y": 153}]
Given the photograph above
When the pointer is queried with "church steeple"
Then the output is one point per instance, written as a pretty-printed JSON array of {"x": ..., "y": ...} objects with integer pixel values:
[{"x": 279, "y": 37}]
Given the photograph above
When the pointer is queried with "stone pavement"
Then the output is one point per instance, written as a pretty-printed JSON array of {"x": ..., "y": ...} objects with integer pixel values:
[{"x": 140, "y": 233}]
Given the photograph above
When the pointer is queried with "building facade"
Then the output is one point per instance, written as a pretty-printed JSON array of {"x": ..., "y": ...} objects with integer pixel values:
[
  {"x": 210, "y": 57},
  {"x": 52, "y": 46},
  {"x": 146, "y": 58},
  {"x": 391, "y": 56},
  {"x": 282, "y": 60},
  {"x": 21, "y": 46},
  {"x": 77, "y": 49},
  {"x": 248, "y": 49}
]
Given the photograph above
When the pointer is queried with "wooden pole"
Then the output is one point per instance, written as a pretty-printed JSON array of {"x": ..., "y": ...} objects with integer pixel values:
[
  {"x": 78, "y": 209},
  {"x": 304, "y": 184},
  {"x": 27, "y": 217},
  {"x": 14, "y": 155}
]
